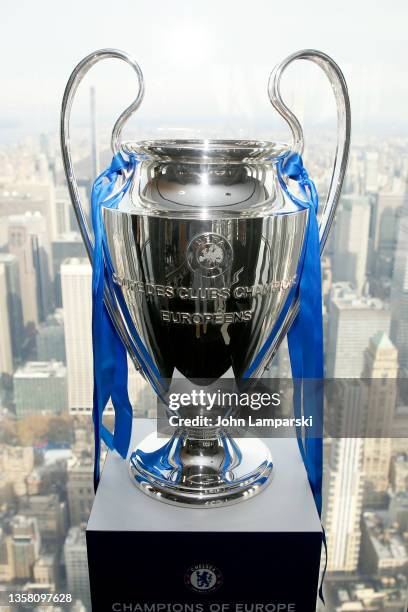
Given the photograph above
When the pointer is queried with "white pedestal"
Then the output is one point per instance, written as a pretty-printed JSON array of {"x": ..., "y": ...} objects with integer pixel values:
[{"x": 147, "y": 556}]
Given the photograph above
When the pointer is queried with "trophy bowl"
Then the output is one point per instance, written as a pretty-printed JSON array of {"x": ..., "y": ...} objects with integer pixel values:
[
  {"x": 202, "y": 254},
  {"x": 204, "y": 249}
]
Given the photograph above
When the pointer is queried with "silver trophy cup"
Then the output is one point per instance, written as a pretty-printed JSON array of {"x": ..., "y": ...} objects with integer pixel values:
[{"x": 205, "y": 249}]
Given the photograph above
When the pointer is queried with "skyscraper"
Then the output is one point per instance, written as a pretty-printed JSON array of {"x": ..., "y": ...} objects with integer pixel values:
[
  {"x": 80, "y": 490},
  {"x": 76, "y": 564},
  {"x": 65, "y": 246},
  {"x": 76, "y": 282},
  {"x": 45, "y": 569},
  {"x": 6, "y": 557},
  {"x": 399, "y": 296},
  {"x": 51, "y": 515},
  {"x": 65, "y": 216},
  {"x": 371, "y": 166},
  {"x": 399, "y": 473},
  {"x": 16, "y": 463},
  {"x": 11, "y": 316},
  {"x": 62, "y": 208},
  {"x": 28, "y": 241},
  {"x": 385, "y": 226},
  {"x": 344, "y": 485},
  {"x": 40, "y": 386},
  {"x": 76, "y": 275},
  {"x": 50, "y": 338},
  {"x": 31, "y": 196},
  {"x": 351, "y": 237},
  {"x": 26, "y": 544},
  {"x": 6, "y": 354},
  {"x": 379, "y": 378},
  {"x": 352, "y": 321}
]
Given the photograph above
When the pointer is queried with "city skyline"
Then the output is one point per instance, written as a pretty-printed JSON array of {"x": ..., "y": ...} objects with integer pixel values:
[
  {"x": 206, "y": 69},
  {"x": 209, "y": 83},
  {"x": 367, "y": 235}
]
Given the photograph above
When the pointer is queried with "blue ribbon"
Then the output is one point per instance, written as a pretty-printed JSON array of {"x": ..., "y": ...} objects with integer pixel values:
[
  {"x": 305, "y": 337},
  {"x": 109, "y": 352}
]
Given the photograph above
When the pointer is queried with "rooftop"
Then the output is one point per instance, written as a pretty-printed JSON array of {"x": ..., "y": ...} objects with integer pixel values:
[
  {"x": 385, "y": 538},
  {"x": 382, "y": 341},
  {"x": 45, "y": 560},
  {"x": 26, "y": 217},
  {"x": 68, "y": 237},
  {"x": 75, "y": 537},
  {"x": 7, "y": 258},
  {"x": 71, "y": 263},
  {"x": 82, "y": 462},
  {"x": 53, "y": 320},
  {"x": 350, "y": 200},
  {"x": 357, "y": 594},
  {"x": 401, "y": 458},
  {"x": 43, "y": 502},
  {"x": 41, "y": 369},
  {"x": 344, "y": 296}
]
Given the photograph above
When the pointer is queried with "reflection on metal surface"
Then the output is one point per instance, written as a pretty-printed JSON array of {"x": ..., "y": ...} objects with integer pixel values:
[
  {"x": 223, "y": 324},
  {"x": 201, "y": 473},
  {"x": 204, "y": 284},
  {"x": 205, "y": 248}
]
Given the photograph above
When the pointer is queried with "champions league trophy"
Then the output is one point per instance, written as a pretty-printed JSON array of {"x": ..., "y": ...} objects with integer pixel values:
[{"x": 201, "y": 252}]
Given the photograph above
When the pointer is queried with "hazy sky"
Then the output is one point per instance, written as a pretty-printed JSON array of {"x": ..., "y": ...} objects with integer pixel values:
[{"x": 202, "y": 61}]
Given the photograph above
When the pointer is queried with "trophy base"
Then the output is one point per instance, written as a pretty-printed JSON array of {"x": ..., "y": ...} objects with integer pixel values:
[
  {"x": 195, "y": 471},
  {"x": 265, "y": 555}
]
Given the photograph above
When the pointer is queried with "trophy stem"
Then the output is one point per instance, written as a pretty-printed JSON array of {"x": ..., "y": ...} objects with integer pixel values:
[{"x": 201, "y": 467}]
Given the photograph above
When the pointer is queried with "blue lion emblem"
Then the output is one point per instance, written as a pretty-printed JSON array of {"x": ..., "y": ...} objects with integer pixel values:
[{"x": 204, "y": 579}]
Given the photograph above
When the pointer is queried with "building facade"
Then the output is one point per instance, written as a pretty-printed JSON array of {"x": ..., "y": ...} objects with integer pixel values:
[
  {"x": 26, "y": 545},
  {"x": 380, "y": 382},
  {"x": 76, "y": 564},
  {"x": 29, "y": 242},
  {"x": 80, "y": 488},
  {"x": 11, "y": 314},
  {"x": 76, "y": 283},
  {"x": 399, "y": 296},
  {"x": 50, "y": 338},
  {"x": 353, "y": 320},
  {"x": 351, "y": 239},
  {"x": 40, "y": 387}
]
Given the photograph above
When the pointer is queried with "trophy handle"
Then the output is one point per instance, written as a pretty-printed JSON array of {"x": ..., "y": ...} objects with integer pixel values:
[
  {"x": 339, "y": 86},
  {"x": 74, "y": 80},
  {"x": 70, "y": 90},
  {"x": 338, "y": 83}
]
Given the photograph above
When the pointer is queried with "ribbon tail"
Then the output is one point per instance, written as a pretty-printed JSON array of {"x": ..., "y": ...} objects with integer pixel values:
[
  {"x": 109, "y": 353},
  {"x": 305, "y": 338}
]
